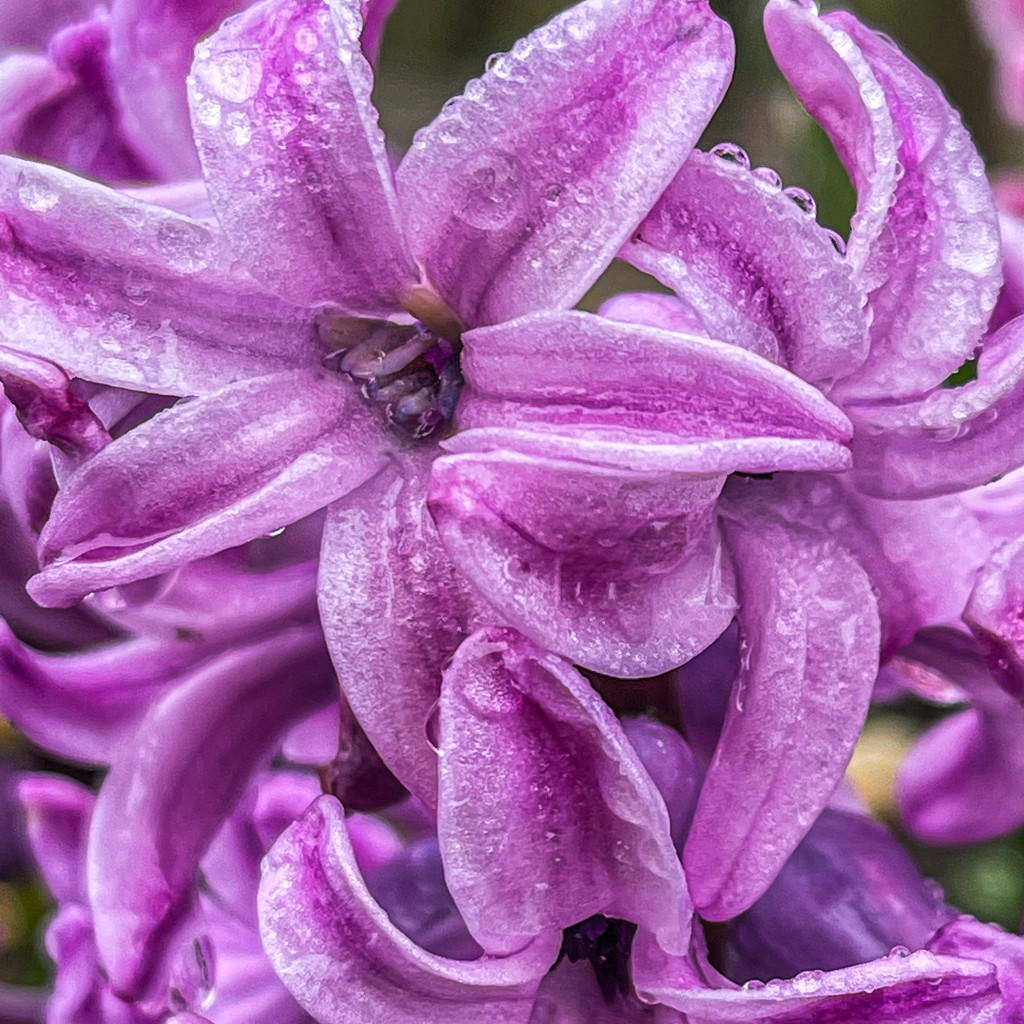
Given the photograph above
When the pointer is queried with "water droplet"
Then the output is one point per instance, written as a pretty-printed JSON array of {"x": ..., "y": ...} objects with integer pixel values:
[
  {"x": 731, "y": 153},
  {"x": 186, "y": 246},
  {"x": 838, "y": 242},
  {"x": 492, "y": 61},
  {"x": 887, "y": 39},
  {"x": 36, "y": 194},
  {"x": 277, "y": 532},
  {"x": 492, "y": 186},
  {"x": 899, "y": 953},
  {"x": 306, "y": 39},
  {"x": 234, "y": 76},
  {"x": 432, "y": 727},
  {"x": 803, "y": 199},
  {"x": 753, "y": 985},
  {"x": 769, "y": 176}
]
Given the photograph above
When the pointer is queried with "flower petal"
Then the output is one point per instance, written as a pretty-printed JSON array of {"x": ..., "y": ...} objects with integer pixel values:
[
  {"x": 580, "y": 371},
  {"x": 920, "y": 988},
  {"x": 28, "y": 81},
  {"x": 32, "y": 25},
  {"x": 925, "y": 240},
  {"x": 347, "y": 964},
  {"x": 808, "y": 617},
  {"x": 47, "y": 407},
  {"x": 81, "y": 706},
  {"x": 151, "y": 44},
  {"x": 167, "y": 794},
  {"x": 583, "y": 830},
  {"x": 294, "y": 159},
  {"x": 125, "y": 293},
  {"x": 620, "y": 572},
  {"x": 756, "y": 267},
  {"x": 394, "y": 610},
  {"x": 262, "y": 453},
  {"x": 952, "y": 439},
  {"x": 520, "y": 192}
]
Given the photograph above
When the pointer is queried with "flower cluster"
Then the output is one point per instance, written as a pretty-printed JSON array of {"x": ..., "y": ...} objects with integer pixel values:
[{"x": 344, "y": 543}]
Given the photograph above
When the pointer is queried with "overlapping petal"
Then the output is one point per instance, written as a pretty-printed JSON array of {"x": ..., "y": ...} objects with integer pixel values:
[
  {"x": 394, "y": 610},
  {"x": 294, "y": 159},
  {"x": 346, "y": 963},
  {"x": 756, "y": 266},
  {"x": 125, "y": 293},
  {"x": 168, "y": 793},
  {"x": 264, "y": 453},
  {"x": 520, "y": 192},
  {"x": 953, "y": 438},
  {"x": 809, "y": 621},
  {"x": 925, "y": 239},
  {"x": 583, "y": 829}
]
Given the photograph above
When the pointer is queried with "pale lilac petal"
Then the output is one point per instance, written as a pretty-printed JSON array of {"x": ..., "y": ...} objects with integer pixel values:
[
  {"x": 809, "y": 620},
  {"x": 167, "y": 794},
  {"x": 262, "y": 454},
  {"x": 952, "y": 439},
  {"x": 669, "y": 312},
  {"x": 582, "y": 830},
  {"x": 925, "y": 240},
  {"x": 585, "y": 375},
  {"x": 960, "y": 782},
  {"x": 151, "y": 44},
  {"x": 920, "y": 988},
  {"x": 995, "y": 615},
  {"x": 125, "y": 293},
  {"x": 620, "y": 572},
  {"x": 346, "y": 963},
  {"x": 704, "y": 685},
  {"x": 27, "y": 82},
  {"x": 294, "y": 159},
  {"x": 1002, "y": 23},
  {"x": 57, "y": 814},
  {"x": 757, "y": 268},
  {"x": 394, "y": 610},
  {"x": 570, "y": 995},
  {"x": 77, "y": 990},
  {"x": 519, "y": 194},
  {"x": 47, "y": 406},
  {"x": 82, "y": 706}
]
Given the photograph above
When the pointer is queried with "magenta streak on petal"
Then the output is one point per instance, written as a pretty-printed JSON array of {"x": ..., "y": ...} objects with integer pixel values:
[
  {"x": 83, "y": 706},
  {"x": 394, "y": 610},
  {"x": 344, "y": 961},
  {"x": 952, "y": 439},
  {"x": 167, "y": 794},
  {"x": 521, "y": 191},
  {"x": 129, "y": 294},
  {"x": 294, "y": 159},
  {"x": 618, "y": 571},
  {"x": 47, "y": 407},
  {"x": 809, "y": 621},
  {"x": 925, "y": 241},
  {"x": 582, "y": 829},
  {"x": 262, "y": 453},
  {"x": 921, "y": 988},
  {"x": 995, "y": 615},
  {"x": 757, "y": 268},
  {"x": 151, "y": 48}
]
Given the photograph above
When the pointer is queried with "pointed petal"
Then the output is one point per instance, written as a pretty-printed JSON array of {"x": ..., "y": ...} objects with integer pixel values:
[
  {"x": 585, "y": 375},
  {"x": 262, "y": 453},
  {"x": 583, "y": 829},
  {"x": 151, "y": 44},
  {"x": 47, "y": 407},
  {"x": 519, "y": 194},
  {"x": 952, "y": 439},
  {"x": 166, "y": 795},
  {"x": 757, "y": 268},
  {"x": 57, "y": 814},
  {"x": 921, "y": 988},
  {"x": 121, "y": 292},
  {"x": 619, "y": 572},
  {"x": 808, "y": 617},
  {"x": 82, "y": 706},
  {"x": 293, "y": 156},
  {"x": 394, "y": 610},
  {"x": 925, "y": 240},
  {"x": 346, "y": 963}
]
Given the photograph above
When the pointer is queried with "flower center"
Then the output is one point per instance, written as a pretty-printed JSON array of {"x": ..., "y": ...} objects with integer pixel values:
[
  {"x": 606, "y": 942},
  {"x": 407, "y": 371}
]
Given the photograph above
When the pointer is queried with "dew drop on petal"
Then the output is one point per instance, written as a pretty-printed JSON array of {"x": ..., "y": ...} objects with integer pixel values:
[
  {"x": 803, "y": 199},
  {"x": 769, "y": 176},
  {"x": 731, "y": 153},
  {"x": 838, "y": 242}
]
